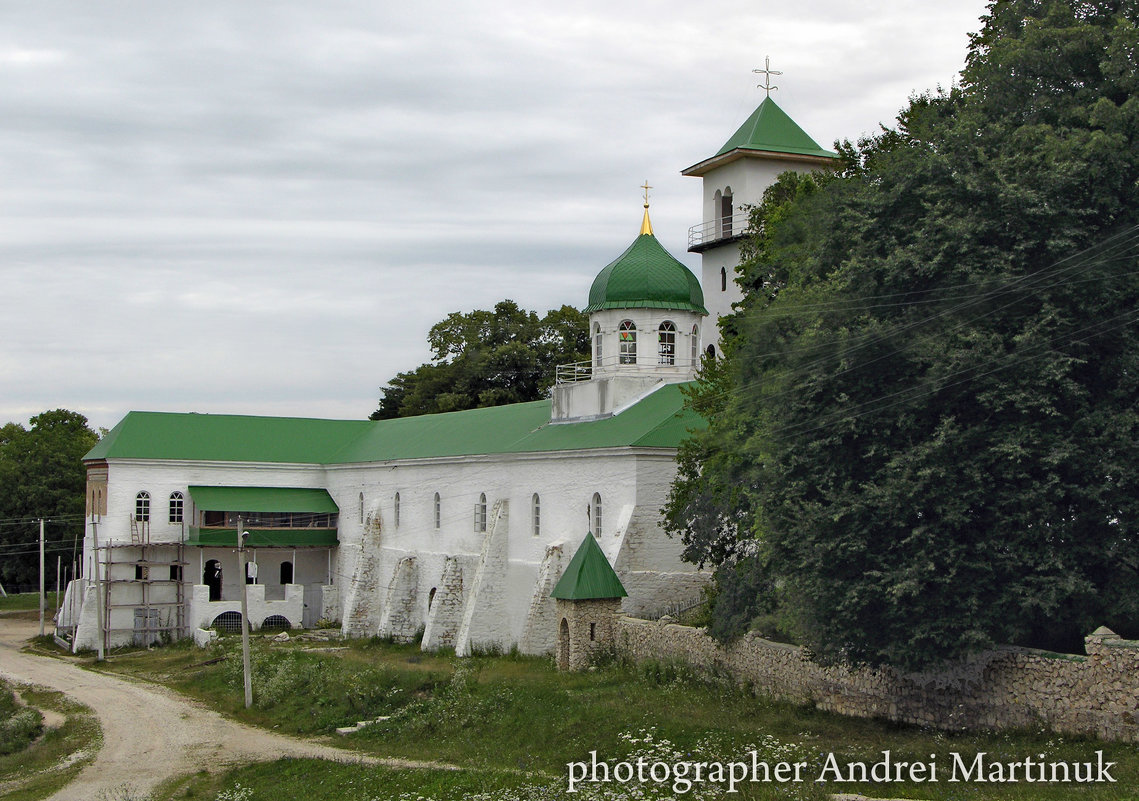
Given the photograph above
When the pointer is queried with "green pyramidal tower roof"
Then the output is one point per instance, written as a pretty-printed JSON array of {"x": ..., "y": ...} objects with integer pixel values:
[
  {"x": 646, "y": 276},
  {"x": 770, "y": 129},
  {"x": 588, "y": 575},
  {"x": 768, "y": 133}
]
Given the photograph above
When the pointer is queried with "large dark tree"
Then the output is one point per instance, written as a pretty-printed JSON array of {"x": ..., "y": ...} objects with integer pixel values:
[
  {"x": 488, "y": 358},
  {"x": 41, "y": 475},
  {"x": 925, "y": 437}
]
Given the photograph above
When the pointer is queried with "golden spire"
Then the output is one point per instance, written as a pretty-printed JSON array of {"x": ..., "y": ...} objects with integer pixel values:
[{"x": 646, "y": 224}]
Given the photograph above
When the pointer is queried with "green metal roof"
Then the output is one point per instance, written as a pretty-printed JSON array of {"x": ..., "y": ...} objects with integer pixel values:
[
  {"x": 770, "y": 129},
  {"x": 263, "y": 499},
  {"x": 658, "y": 421},
  {"x": 646, "y": 276},
  {"x": 588, "y": 575},
  {"x": 265, "y": 537},
  {"x": 226, "y": 437}
]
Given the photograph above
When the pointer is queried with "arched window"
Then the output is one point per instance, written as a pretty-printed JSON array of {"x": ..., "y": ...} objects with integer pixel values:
[
  {"x": 726, "y": 213},
  {"x": 695, "y": 344},
  {"x": 142, "y": 506},
  {"x": 723, "y": 279},
  {"x": 597, "y": 344},
  {"x": 395, "y": 510},
  {"x": 286, "y": 572},
  {"x": 177, "y": 505},
  {"x": 480, "y": 513},
  {"x": 627, "y": 335},
  {"x": 438, "y": 512},
  {"x": 536, "y": 514},
  {"x": 666, "y": 343},
  {"x": 711, "y": 351},
  {"x": 595, "y": 514}
]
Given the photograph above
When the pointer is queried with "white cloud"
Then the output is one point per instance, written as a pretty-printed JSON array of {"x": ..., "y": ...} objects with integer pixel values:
[{"x": 321, "y": 183}]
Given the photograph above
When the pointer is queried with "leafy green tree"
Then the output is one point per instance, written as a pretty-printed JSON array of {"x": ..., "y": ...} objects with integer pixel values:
[
  {"x": 924, "y": 438},
  {"x": 41, "y": 475},
  {"x": 488, "y": 358}
]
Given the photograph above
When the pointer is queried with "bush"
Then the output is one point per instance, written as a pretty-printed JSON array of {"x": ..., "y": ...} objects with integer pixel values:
[{"x": 19, "y": 725}]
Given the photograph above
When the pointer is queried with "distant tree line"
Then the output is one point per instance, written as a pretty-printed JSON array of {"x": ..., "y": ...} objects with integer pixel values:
[
  {"x": 488, "y": 358},
  {"x": 42, "y": 475}
]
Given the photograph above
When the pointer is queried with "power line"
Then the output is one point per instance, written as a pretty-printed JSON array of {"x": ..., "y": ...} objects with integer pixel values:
[
  {"x": 1126, "y": 239},
  {"x": 874, "y": 406}
]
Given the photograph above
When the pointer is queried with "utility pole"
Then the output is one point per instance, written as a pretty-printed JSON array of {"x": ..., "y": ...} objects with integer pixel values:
[
  {"x": 42, "y": 600},
  {"x": 241, "y": 535},
  {"x": 98, "y": 590}
]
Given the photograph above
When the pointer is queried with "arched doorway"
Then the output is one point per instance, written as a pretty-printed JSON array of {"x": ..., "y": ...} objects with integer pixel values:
[
  {"x": 563, "y": 645},
  {"x": 211, "y": 577}
]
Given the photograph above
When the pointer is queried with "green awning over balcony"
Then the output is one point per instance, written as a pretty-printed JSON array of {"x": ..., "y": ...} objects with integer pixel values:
[
  {"x": 265, "y": 537},
  {"x": 263, "y": 499}
]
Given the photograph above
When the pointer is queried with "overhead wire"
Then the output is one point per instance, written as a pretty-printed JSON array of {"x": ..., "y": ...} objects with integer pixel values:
[{"x": 877, "y": 337}]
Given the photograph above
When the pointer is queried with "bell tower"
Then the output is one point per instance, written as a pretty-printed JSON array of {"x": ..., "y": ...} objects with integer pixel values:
[{"x": 767, "y": 144}]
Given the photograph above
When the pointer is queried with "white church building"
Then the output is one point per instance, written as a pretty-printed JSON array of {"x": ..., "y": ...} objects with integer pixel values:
[{"x": 452, "y": 527}]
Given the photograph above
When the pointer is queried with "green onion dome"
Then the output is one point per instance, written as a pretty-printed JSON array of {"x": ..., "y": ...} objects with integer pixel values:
[{"x": 646, "y": 276}]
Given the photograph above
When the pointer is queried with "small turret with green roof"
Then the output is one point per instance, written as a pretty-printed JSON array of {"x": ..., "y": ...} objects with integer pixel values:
[
  {"x": 588, "y": 599},
  {"x": 589, "y": 575}
]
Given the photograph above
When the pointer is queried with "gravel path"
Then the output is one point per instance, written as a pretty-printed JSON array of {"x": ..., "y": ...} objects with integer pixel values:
[{"x": 151, "y": 734}]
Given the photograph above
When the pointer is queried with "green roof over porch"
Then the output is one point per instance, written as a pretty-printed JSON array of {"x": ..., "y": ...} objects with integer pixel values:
[{"x": 263, "y": 499}]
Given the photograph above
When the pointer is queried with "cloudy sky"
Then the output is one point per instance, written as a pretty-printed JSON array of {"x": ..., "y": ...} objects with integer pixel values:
[{"x": 261, "y": 207}]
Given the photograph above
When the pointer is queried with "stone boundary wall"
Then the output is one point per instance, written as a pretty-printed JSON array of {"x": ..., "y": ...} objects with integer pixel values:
[{"x": 1005, "y": 688}]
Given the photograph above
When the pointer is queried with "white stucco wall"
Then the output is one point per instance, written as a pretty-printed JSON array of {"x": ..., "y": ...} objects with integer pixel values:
[
  {"x": 203, "y": 612},
  {"x": 363, "y": 569}
]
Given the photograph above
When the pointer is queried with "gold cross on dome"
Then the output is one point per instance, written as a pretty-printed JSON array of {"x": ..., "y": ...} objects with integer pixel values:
[
  {"x": 767, "y": 72},
  {"x": 646, "y": 187}
]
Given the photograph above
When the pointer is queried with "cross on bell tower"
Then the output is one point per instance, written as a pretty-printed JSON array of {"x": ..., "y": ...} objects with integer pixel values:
[{"x": 767, "y": 72}]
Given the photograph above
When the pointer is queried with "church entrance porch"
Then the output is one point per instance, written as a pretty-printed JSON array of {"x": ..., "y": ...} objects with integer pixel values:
[
  {"x": 287, "y": 582},
  {"x": 289, "y": 535}
]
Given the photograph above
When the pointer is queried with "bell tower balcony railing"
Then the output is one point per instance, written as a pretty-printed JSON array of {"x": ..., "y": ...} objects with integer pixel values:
[
  {"x": 710, "y": 233},
  {"x": 585, "y": 370}
]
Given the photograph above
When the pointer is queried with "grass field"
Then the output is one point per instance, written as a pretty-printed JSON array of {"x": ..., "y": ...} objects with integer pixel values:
[
  {"x": 42, "y": 765},
  {"x": 513, "y": 723},
  {"x": 27, "y": 600}
]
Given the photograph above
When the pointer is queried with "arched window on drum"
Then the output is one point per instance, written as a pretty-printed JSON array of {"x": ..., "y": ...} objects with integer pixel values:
[
  {"x": 627, "y": 337},
  {"x": 666, "y": 343}
]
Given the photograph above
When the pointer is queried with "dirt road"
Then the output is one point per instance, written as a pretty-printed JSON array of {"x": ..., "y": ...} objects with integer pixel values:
[{"x": 149, "y": 733}]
